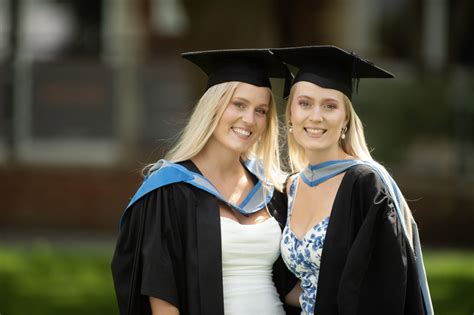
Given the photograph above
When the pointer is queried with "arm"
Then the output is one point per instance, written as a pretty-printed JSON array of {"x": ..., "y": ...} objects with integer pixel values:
[
  {"x": 161, "y": 307},
  {"x": 376, "y": 276},
  {"x": 293, "y": 297},
  {"x": 142, "y": 265}
]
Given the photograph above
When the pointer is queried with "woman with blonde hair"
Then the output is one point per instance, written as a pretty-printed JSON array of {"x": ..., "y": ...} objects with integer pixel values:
[
  {"x": 202, "y": 233},
  {"x": 350, "y": 236}
]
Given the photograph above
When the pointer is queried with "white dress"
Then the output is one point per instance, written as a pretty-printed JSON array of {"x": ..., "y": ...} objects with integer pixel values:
[{"x": 248, "y": 254}]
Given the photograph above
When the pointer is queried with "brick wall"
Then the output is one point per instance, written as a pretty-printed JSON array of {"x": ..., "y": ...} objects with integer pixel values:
[{"x": 64, "y": 199}]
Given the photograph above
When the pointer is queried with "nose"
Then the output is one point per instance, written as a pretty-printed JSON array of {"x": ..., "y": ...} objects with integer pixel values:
[
  {"x": 316, "y": 114},
  {"x": 248, "y": 116}
]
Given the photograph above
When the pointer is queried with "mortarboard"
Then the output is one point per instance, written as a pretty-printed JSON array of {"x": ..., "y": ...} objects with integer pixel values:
[
  {"x": 330, "y": 66},
  {"x": 254, "y": 66}
]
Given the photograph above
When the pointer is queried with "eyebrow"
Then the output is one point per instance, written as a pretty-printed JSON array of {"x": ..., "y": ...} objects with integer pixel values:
[
  {"x": 330, "y": 99},
  {"x": 312, "y": 98},
  {"x": 247, "y": 101},
  {"x": 241, "y": 99},
  {"x": 305, "y": 96}
]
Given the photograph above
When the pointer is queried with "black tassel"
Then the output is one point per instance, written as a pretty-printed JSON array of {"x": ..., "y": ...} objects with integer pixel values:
[{"x": 355, "y": 78}]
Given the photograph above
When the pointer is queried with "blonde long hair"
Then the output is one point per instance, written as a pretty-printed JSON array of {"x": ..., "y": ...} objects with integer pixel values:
[
  {"x": 355, "y": 145},
  {"x": 203, "y": 121}
]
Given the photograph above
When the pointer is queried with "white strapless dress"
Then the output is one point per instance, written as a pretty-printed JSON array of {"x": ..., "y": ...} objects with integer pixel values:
[{"x": 248, "y": 254}]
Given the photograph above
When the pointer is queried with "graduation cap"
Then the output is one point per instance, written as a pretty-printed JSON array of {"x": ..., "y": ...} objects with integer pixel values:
[
  {"x": 330, "y": 67},
  {"x": 254, "y": 66}
]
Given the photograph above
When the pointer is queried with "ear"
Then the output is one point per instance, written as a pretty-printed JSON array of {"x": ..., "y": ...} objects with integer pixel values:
[{"x": 346, "y": 119}]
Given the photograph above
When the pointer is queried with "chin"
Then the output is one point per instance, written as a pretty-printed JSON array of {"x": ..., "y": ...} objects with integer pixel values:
[
  {"x": 317, "y": 148},
  {"x": 314, "y": 146},
  {"x": 238, "y": 149}
]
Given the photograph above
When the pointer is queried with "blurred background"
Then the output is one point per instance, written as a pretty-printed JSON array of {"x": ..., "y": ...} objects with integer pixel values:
[{"x": 92, "y": 91}]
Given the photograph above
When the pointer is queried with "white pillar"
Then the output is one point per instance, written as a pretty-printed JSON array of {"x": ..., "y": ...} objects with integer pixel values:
[
  {"x": 434, "y": 34},
  {"x": 358, "y": 31},
  {"x": 22, "y": 83},
  {"x": 4, "y": 31},
  {"x": 123, "y": 48}
]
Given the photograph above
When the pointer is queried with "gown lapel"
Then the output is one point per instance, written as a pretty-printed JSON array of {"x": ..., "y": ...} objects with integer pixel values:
[
  {"x": 335, "y": 250},
  {"x": 209, "y": 251}
]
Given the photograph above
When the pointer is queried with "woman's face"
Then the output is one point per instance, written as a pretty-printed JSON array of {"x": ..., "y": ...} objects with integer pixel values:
[
  {"x": 244, "y": 119},
  {"x": 318, "y": 115}
]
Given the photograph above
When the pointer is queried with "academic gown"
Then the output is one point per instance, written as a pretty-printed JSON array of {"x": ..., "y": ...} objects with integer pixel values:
[
  {"x": 169, "y": 247},
  {"x": 367, "y": 265}
]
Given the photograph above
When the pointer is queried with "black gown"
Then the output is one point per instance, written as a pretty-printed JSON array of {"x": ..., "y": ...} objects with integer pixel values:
[
  {"x": 367, "y": 265},
  {"x": 169, "y": 247}
]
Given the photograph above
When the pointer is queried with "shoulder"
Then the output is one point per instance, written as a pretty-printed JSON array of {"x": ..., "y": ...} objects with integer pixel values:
[
  {"x": 362, "y": 171},
  {"x": 364, "y": 190},
  {"x": 366, "y": 176},
  {"x": 368, "y": 185},
  {"x": 167, "y": 182},
  {"x": 289, "y": 182},
  {"x": 171, "y": 196},
  {"x": 175, "y": 185}
]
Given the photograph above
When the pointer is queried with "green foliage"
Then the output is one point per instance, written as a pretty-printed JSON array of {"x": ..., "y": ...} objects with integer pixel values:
[
  {"x": 46, "y": 280},
  {"x": 397, "y": 113}
]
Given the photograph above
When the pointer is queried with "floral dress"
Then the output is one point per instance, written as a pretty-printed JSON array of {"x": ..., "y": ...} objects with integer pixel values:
[{"x": 303, "y": 257}]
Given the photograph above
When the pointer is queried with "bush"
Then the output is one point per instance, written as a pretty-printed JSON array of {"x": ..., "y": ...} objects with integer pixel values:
[{"x": 44, "y": 280}]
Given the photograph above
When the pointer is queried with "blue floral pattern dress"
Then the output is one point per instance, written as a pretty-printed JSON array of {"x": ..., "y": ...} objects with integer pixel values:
[{"x": 303, "y": 257}]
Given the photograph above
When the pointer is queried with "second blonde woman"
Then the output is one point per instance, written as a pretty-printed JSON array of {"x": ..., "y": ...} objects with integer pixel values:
[{"x": 350, "y": 237}]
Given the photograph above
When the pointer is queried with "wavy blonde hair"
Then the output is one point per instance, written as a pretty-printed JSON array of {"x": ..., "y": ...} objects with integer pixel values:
[
  {"x": 203, "y": 121},
  {"x": 355, "y": 145}
]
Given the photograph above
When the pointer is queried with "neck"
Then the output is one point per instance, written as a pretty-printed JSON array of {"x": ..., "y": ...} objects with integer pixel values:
[
  {"x": 317, "y": 157},
  {"x": 218, "y": 162}
]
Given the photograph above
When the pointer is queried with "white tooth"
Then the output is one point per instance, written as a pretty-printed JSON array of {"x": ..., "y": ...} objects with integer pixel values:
[
  {"x": 242, "y": 132},
  {"x": 315, "y": 130}
]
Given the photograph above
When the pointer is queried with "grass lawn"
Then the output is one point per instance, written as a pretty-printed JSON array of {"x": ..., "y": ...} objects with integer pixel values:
[
  {"x": 451, "y": 280},
  {"x": 47, "y": 280}
]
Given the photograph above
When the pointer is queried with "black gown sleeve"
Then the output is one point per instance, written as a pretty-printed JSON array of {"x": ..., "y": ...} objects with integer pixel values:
[
  {"x": 379, "y": 276},
  {"x": 143, "y": 264}
]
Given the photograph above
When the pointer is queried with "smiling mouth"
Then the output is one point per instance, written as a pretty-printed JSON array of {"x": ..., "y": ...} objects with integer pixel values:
[
  {"x": 315, "y": 132},
  {"x": 241, "y": 132}
]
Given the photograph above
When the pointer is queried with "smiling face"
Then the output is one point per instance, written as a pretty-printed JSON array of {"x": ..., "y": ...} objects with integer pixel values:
[
  {"x": 318, "y": 116},
  {"x": 244, "y": 120}
]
